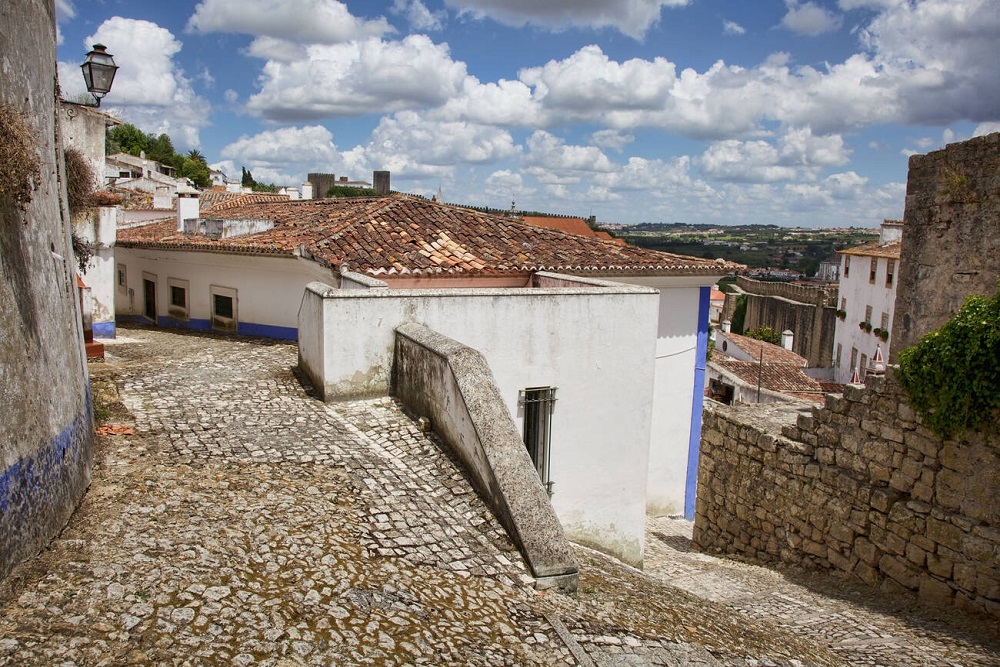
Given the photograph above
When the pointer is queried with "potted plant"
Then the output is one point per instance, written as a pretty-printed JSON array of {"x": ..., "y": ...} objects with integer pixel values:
[
  {"x": 884, "y": 334},
  {"x": 842, "y": 315}
]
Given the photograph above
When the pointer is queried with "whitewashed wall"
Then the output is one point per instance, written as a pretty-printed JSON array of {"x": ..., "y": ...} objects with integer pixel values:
[
  {"x": 594, "y": 344},
  {"x": 676, "y": 401},
  {"x": 99, "y": 226},
  {"x": 269, "y": 288},
  {"x": 859, "y": 293}
]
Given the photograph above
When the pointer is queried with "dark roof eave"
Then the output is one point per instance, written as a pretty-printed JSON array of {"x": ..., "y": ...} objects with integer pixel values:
[{"x": 201, "y": 247}]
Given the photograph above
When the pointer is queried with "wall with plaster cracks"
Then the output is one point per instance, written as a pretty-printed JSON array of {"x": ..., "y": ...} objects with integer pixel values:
[{"x": 46, "y": 424}]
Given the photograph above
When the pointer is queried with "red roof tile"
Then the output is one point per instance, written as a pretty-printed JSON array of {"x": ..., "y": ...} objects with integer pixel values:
[
  {"x": 773, "y": 354},
  {"x": 784, "y": 378},
  {"x": 406, "y": 235},
  {"x": 873, "y": 249}
]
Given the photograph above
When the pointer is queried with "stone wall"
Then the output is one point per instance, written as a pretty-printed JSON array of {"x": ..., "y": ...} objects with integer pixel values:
[
  {"x": 452, "y": 385},
  {"x": 46, "y": 427},
  {"x": 859, "y": 486},
  {"x": 951, "y": 243},
  {"x": 808, "y": 312}
]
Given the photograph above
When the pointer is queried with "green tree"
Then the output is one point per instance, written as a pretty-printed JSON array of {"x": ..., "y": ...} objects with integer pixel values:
[
  {"x": 161, "y": 149},
  {"x": 125, "y": 138},
  {"x": 766, "y": 334},
  {"x": 247, "y": 179}
]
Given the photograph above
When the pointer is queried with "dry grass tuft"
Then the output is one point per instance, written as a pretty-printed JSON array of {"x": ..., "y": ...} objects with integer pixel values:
[{"x": 20, "y": 175}]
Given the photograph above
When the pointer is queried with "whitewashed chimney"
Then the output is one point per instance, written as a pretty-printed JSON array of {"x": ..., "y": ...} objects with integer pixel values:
[
  {"x": 786, "y": 339},
  {"x": 726, "y": 326},
  {"x": 307, "y": 190},
  {"x": 162, "y": 197},
  {"x": 187, "y": 206}
]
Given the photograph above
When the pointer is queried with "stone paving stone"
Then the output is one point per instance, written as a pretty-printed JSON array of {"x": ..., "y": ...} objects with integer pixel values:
[
  {"x": 852, "y": 621},
  {"x": 247, "y": 523}
]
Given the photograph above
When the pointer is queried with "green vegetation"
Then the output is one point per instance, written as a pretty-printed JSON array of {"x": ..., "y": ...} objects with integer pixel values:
[
  {"x": 739, "y": 315},
  {"x": 129, "y": 139},
  {"x": 766, "y": 334},
  {"x": 952, "y": 376},
  {"x": 348, "y": 191},
  {"x": 248, "y": 181},
  {"x": 759, "y": 246}
]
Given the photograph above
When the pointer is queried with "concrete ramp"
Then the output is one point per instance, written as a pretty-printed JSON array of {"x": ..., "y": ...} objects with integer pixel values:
[{"x": 452, "y": 385}]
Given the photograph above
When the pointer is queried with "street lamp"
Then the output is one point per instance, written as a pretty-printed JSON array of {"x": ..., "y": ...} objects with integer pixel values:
[{"x": 99, "y": 71}]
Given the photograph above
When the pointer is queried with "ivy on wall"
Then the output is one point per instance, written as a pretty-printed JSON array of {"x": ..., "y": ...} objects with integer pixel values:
[{"x": 952, "y": 376}]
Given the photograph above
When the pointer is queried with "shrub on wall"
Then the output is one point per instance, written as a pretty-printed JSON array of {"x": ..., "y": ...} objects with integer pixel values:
[
  {"x": 766, "y": 334},
  {"x": 952, "y": 376}
]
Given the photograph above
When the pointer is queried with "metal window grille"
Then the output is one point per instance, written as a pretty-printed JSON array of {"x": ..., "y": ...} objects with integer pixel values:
[{"x": 538, "y": 404}]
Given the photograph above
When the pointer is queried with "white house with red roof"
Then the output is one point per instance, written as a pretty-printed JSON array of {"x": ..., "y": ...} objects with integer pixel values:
[
  {"x": 619, "y": 333},
  {"x": 867, "y": 300}
]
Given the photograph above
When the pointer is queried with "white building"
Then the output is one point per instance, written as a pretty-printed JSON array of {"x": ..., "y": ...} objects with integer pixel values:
[
  {"x": 630, "y": 383},
  {"x": 867, "y": 296}
]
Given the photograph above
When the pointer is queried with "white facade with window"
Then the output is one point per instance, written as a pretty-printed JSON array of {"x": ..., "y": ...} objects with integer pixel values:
[
  {"x": 868, "y": 278},
  {"x": 248, "y": 294}
]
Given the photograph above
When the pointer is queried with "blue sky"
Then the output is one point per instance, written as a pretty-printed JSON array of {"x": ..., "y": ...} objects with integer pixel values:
[{"x": 698, "y": 111}]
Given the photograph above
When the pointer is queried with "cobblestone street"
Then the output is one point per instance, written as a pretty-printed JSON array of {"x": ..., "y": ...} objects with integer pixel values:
[{"x": 240, "y": 521}]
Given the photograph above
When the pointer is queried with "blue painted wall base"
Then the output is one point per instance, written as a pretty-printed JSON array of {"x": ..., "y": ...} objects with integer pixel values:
[
  {"x": 697, "y": 403},
  {"x": 40, "y": 491}
]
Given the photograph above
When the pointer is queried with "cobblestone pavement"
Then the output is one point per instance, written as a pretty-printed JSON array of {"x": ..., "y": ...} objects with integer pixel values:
[
  {"x": 244, "y": 522},
  {"x": 866, "y": 627}
]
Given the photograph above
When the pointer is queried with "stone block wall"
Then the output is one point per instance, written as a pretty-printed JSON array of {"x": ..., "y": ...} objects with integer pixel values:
[
  {"x": 859, "y": 486},
  {"x": 808, "y": 312},
  {"x": 951, "y": 243}
]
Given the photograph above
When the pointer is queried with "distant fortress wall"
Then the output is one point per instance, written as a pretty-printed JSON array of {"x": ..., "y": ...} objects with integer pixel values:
[{"x": 808, "y": 312}]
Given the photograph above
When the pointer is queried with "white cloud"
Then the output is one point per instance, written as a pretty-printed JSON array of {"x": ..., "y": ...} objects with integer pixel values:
[
  {"x": 439, "y": 144},
  {"x": 798, "y": 155},
  {"x": 810, "y": 19},
  {"x": 612, "y": 139},
  {"x": 361, "y": 77},
  {"x": 418, "y": 16},
  {"x": 149, "y": 89},
  {"x": 940, "y": 56},
  {"x": 309, "y": 21},
  {"x": 732, "y": 28},
  {"x": 285, "y": 155},
  {"x": 744, "y": 161},
  {"x": 630, "y": 17},
  {"x": 551, "y": 153},
  {"x": 505, "y": 183},
  {"x": 588, "y": 79},
  {"x": 985, "y": 128},
  {"x": 64, "y": 11}
]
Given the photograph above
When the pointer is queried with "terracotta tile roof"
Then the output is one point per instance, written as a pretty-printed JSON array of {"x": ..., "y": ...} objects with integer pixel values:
[
  {"x": 410, "y": 235},
  {"x": 784, "y": 378},
  {"x": 773, "y": 354},
  {"x": 873, "y": 249},
  {"x": 210, "y": 201}
]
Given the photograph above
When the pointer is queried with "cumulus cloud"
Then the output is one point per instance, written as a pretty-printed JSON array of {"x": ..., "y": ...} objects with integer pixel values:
[
  {"x": 630, "y": 17},
  {"x": 310, "y": 21},
  {"x": 589, "y": 79},
  {"x": 149, "y": 90},
  {"x": 732, "y": 28},
  {"x": 797, "y": 155},
  {"x": 284, "y": 155},
  {"x": 437, "y": 143},
  {"x": 940, "y": 55},
  {"x": 612, "y": 139},
  {"x": 985, "y": 128},
  {"x": 552, "y": 153},
  {"x": 418, "y": 16},
  {"x": 359, "y": 77},
  {"x": 64, "y": 11},
  {"x": 809, "y": 18}
]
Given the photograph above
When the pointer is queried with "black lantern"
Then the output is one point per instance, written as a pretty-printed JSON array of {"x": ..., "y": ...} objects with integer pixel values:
[{"x": 99, "y": 71}]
